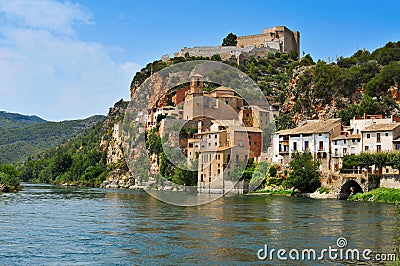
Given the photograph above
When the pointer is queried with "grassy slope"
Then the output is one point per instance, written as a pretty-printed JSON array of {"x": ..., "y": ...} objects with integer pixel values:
[{"x": 386, "y": 195}]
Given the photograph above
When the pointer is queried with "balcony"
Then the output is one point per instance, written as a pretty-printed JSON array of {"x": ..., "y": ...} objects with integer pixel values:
[{"x": 284, "y": 152}]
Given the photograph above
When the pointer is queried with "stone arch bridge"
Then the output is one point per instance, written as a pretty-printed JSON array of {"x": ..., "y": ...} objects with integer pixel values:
[{"x": 344, "y": 185}]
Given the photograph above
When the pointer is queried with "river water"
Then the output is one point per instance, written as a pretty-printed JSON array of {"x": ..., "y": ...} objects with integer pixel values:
[{"x": 50, "y": 225}]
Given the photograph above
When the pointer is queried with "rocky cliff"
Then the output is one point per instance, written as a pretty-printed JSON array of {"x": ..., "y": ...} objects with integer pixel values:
[{"x": 111, "y": 143}]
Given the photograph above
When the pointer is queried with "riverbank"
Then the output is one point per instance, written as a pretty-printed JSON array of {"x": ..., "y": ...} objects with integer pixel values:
[
  {"x": 385, "y": 195},
  {"x": 280, "y": 191}
]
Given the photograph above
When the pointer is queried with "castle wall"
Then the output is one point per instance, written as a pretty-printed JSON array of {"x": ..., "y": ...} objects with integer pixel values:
[
  {"x": 257, "y": 40},
  {"x": 226, "y": 52},
  {"x": 276, "y": 39}
]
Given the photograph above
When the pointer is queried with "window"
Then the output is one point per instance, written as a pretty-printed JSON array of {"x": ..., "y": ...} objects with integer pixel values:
[
  {"x": 201, "y": 178},
  {"x": 321, "y": 145},
  {"x": 366, "y": 148},
  {"x": 237, "y": 157},
  {"x": 306, "y": 145},
  {"x": 378, "y": 137},
  {"x": 397, "y": 146},
  {"x": 294, "y": 146},
  {"x": 378, "y": 148},
  {"x": 240, "y": 143},
  {"x": 344, "y": 151},
  {"x": 336, "y": 151},
  {"x": 344, "y": 141},
  {"x": 215, "y": 136},
  {"x": 386, "y": 134},
  {"x": 245, "y": 158},
  {"x": 368, "y": 136},
  {"x": 209, "y": 136}
]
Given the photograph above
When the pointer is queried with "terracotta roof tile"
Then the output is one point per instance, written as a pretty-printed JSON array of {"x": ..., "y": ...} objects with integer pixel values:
[{"x": 312, "y": 127}]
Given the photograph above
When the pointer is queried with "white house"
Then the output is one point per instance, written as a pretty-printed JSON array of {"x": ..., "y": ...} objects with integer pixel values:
[
  {"x": 344, "y": 145},
  {"x": 380, "y": 137},
  {"x": 314, "y": 136}
]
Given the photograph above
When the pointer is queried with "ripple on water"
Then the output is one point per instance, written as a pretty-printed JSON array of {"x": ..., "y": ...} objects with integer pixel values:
[{"x": 50, "y": 225}]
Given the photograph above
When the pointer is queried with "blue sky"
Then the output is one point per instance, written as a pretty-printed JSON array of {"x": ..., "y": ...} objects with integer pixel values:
[{"x": 72, "y": 59}]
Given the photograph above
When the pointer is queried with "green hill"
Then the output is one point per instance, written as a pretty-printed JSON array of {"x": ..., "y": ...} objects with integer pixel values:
[
  {"x": 22, "y": 136},
  {"x": 82, "y": 159},
  {"x": 12, "y": 120}
]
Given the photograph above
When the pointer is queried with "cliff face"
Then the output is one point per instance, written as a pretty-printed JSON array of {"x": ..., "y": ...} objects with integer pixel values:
[{"x": 111, "y": 143}]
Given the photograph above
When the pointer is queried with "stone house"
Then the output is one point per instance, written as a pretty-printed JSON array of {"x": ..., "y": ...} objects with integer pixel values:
[{"x": 314, "y": 136}]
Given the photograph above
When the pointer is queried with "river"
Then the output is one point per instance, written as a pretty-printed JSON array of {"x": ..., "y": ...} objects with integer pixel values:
[{"x": 51, "y": 225}]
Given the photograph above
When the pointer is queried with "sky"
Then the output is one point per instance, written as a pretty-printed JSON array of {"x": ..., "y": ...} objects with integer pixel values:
[{"x": 72, "y": 59}]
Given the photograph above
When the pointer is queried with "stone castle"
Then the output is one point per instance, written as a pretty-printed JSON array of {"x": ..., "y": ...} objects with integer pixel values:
[{"x": 277, "y": 39}]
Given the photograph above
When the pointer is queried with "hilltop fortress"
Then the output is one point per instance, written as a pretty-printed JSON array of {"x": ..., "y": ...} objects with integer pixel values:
[{"x": 277, "y": 39}]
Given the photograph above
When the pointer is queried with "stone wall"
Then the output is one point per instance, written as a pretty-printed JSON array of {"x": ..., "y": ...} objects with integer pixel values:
[
  {"x": 390, "y": 181},
  {"x": 257, "y": 40},
  {"x": 278, "y": 37},
  {"x": 226, "y": 52}
]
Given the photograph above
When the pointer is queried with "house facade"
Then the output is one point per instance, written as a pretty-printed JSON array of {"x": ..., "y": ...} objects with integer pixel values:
[{"x": 313, "y": 137}]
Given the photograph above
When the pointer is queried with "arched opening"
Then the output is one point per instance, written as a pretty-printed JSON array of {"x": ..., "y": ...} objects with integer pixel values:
[{"x": 349, "y": 188}]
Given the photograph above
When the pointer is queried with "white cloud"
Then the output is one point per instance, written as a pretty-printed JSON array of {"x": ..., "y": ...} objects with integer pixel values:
[
  {"x": 45, "y": 14},
  {"x": 46, "y": 71}
]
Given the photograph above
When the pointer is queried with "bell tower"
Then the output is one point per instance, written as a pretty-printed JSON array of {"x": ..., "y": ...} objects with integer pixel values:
[
  {"x": 193, "y": 104},
  {"x": 196, "y": 85}
]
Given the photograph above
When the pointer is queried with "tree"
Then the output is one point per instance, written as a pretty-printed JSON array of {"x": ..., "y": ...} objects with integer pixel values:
[
  {"x": 304, "y": 174},
  {"x": 183, "y": 176},
  {"x": 230, "y": 40},
  {"x": 9, "y": 181},
  {"x": 259, "y": 175},
  {"x": 389, "y": 75},
  {"x": 284, "y": 121}
]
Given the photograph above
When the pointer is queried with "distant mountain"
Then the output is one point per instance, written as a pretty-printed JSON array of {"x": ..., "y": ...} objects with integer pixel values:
[
  {"x": 23, "y": 136},
  {"x": 12, "y": 120}
]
